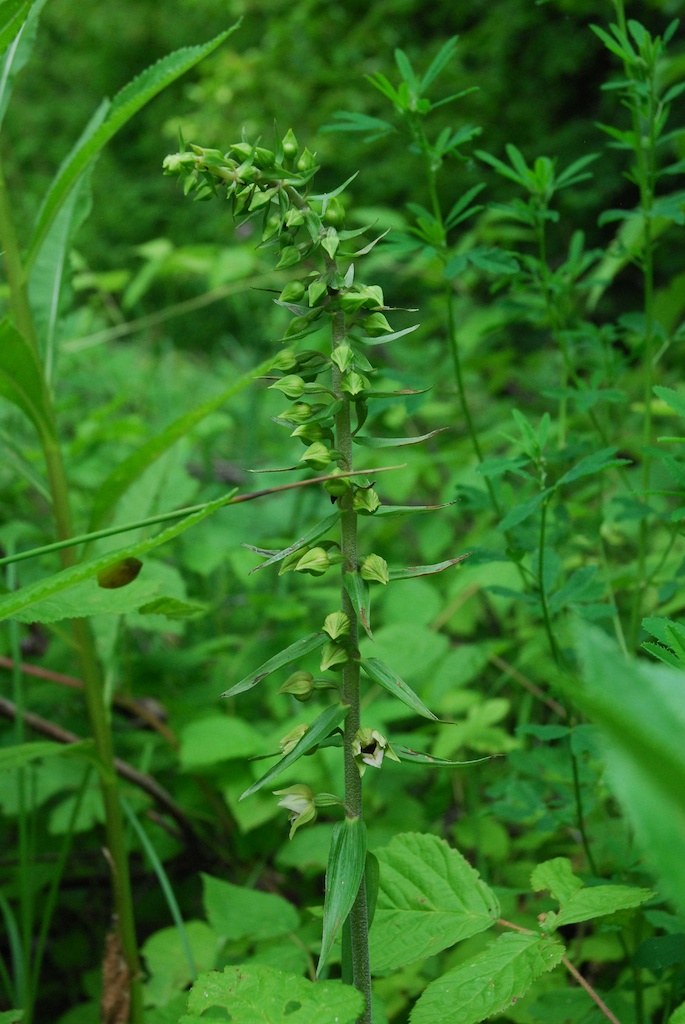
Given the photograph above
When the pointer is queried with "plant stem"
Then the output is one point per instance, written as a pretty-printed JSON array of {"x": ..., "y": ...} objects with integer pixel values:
[{"x": 359, "y": 925}]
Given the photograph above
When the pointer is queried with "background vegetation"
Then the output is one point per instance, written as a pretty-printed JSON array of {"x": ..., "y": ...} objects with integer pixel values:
[{"x": 166, "y": 303}]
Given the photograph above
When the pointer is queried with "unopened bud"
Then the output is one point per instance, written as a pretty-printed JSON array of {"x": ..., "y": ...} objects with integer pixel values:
[
  {"x": 375, "y": 568},
  {"x": 315, "y": 562},
  {"x": 300, "y": 684},
  {"x": 291, "y": 386}
]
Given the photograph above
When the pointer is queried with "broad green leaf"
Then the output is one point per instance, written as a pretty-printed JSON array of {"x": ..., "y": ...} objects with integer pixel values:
[
  {"x": 344, "y": 873},
  {"x": 425, "y": 570},
  {"x": 21, "y": 380},
  {"x": 236, "y": 912},
  {"x": 28, "y": 597},
  {"x": 318, "y": 731},
  {"x": 557, "y": 876},
  {"x": 315, "y": 533},
  {"x": 429, "y": 898},
  {"x": 678, "y": 1015},
  {"x": 488, "y": 983},
  {"x": 597, "y": 900},
  {"x": 359, "y": 593},
  {"x": 215, "y": 739},
  {"x": 293, "y": 653},
  {"x": 87, "y": 598},
  {"x": 127, "y": 472},
  {"x": 24, "y": 753},
  {"x": 258, "y": 994},
  {"x": 390, "y": 681},
  {"x": 640, "y": 710},
  {"x": 11, "y": 1016},
  {"x": 167, "y": 962},
  {"x": 394, "y": 442},
  {"x": 125, "y": 104}
]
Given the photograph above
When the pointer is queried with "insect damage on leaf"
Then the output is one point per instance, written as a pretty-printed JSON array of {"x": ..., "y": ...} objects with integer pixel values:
[{"x": 120, "y": 574}]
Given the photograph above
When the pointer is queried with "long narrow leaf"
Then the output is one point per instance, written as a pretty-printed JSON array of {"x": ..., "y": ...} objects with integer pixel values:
[
  {"x": 128, "y": 102},
  {"x": 440, "y": 61},
  {"x": 415, "y": 756},
  {"x": 425, "y": 570},
  {"x": 344, "y": 873},
  {"x": 390, "y": 681},
  {"x": 21, "y": 379},
  {"x": 394, "y": 442},
  {"x": 22, "y": 599},
  {"x": 316, "y": 531},
  {"x": 360, "y": 595},
  {"x": 12, "y": 17},
  {"x": 286, "y": 657},
  {"x": 22, "y": 35},
  {"x": 327, "y": 721}
]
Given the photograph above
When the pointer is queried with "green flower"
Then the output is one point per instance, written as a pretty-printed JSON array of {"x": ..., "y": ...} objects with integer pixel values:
[
  {"x": 369, "y": 747},
  {"x": 299, "y": 800}
]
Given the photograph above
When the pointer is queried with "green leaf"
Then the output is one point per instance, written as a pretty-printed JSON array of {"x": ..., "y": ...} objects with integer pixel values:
[
  {"x": 127, "y": 472},
  {"x": 429, "y": 898},
  {"x": 344, "y": 873},
  {"x": 173, "y": 609},
  {"x": 293, "y": 653},
  {"x": 11, "y": 1016},
  {"x": 557, "y": 876},
  {"x": 404, "y": 510},
  {"x": 379, "y": 672},
  {"x": 425, "y": 570},
  {"x": 217, "y": 738},
  {"x": 236, "y": 912},
  {"x": 12, "y": 17},
  {"x": 596, "y": 462},
  {"x": 258, "y": 994},
  {"x": 28, "y": 597},
  {"x": 675, "y": 399},
  {"x": 394, "y": 442},
  {"x": 315, "y": 533},
  {"x": 440, "y": 61},
  {"x": 488, "y": 983},
  {"x": 88, "y": 598},
  {"x": 359, "y": 593},
  {"x": 22, "y": 26},
  {"x": 521, "y": 512},
  {"x": 640, "y": 710},
  {"x": 166, "y": 959},
  {"x": 21, "y": 380},
  {"x": 126, "y": 103},
  {"x": 598, "y": 900},
  {"x": 407, "y": 754},
  {"x": 327, "y": 721},
  {"x": 24, "y": 753}
]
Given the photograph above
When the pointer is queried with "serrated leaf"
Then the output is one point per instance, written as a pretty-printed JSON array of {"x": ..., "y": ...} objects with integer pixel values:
[
  {"x": 488, "y": 983},
  {"x": 345, "y": 870},
  {"x": 412, "y": 571},
  {"x": 28, "y": 597},
  {"x": 429, "y": 898},
  {"x": 126, "y": 103},
  {"x": 327, "y": 721},
  {"x": 394, "y": 442},
  {"x": 598, "y": 900},
  {"x": 557, "y": 876},
  {"x": 380, "y": 673},
  {"x": 285, "y": 657},
  {"x": 359, "y": 593},
  {"x": 258, "y": 994}
]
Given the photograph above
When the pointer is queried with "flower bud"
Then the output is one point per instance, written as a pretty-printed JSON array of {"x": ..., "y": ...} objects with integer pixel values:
[
  {"x": 333, "y": 656},
  {"x": 316, "y": 291},
  {"x": 293, "y": 292},
  {"x": 294, "y": 218},
  {"x": 292, "y": 738},
  {"x": 289, "y": 144},
  {"x": 307, "y": 161},
  {"x": 354, "y": 383},
  {"x": 300, "y": 412},
  {"x": 315, "y": 562},
  {"x": 335, "y": 212},
  {"x": 376, "y": 325},
  {"x": 336, "y": 624},
  {"x": 375, "y": 568},
  {"x": 310, "y": 432},
  {"x": 300, "y": 684},
  {"x": 342, "y": 355},
  {"x": 317, "y": 456},
  {"x": 290, "y": 255},
  {"x": 365, "y": 501},
  {"x": 337, "y": 487},
  {"x": 291, "y": 386},
  {"x": 285, "y": 360}
]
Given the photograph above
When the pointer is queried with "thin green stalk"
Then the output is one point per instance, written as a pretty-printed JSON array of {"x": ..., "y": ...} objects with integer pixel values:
[
  {"x": 542, "y": 590},
  {"x": 358, "y": 919}
]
